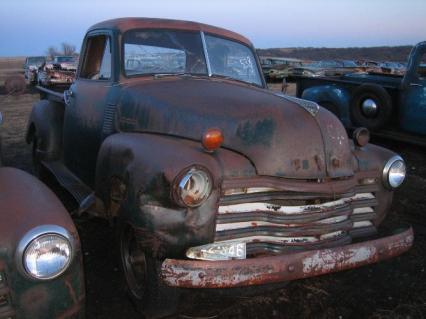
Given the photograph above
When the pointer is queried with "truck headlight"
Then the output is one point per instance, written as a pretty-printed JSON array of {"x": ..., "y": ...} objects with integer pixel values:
[
  {"x": 194, "y": 187},
  {"x": 394, "y": 172},
  {"x": 45, "y": 252}
]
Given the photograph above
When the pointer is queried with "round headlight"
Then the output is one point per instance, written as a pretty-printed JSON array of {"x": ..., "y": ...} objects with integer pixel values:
[
  {"x": 47, "y": 256},
  {"x": 394, "y": 172},
  {"x": 45, "y": 252},
  {"x": 194, "y": 187}
]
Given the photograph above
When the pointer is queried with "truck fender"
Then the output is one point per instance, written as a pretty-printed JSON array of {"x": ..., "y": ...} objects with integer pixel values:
[
  {"x": 135, "y": 175},
  {"x": 335, "y": 99},
  {"x": 45, "y": 124},
  {"x": 29, "y": 208}
]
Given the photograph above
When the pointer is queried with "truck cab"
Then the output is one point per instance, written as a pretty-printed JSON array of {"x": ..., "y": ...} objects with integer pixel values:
[{"x": 212, "y": 180}]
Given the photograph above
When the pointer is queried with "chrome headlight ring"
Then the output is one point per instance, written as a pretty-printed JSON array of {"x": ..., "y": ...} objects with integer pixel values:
[
  {"x": 36, "y": 236},
  {"x": 193, "y": 186},
  {"x": 394, "y": 172}
]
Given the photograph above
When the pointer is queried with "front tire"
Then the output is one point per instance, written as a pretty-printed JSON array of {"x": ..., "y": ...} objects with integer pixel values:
[{"x": 141, "y": 277}]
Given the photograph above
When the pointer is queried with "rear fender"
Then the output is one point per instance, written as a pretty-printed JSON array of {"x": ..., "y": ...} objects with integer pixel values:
[
  {"x": 45, "y": 124},
  {"x": 335, "y": 95}
]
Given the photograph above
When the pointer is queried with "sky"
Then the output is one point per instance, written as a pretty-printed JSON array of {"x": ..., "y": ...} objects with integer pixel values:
[{"x": 29, "y": 27}]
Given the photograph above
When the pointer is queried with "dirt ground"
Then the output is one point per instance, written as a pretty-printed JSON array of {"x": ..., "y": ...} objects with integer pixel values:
[{"x": 391, "y": 289}]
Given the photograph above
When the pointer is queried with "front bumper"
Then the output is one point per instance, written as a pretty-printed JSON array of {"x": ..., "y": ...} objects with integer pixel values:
[{"x": 286, "y": 267}]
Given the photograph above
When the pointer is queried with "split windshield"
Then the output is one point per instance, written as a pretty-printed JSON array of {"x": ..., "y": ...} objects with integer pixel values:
[{"x": 182, "y": 52}]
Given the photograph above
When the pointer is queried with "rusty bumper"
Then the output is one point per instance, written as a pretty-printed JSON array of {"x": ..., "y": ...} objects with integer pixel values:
[{"x": 265, "y": 270}]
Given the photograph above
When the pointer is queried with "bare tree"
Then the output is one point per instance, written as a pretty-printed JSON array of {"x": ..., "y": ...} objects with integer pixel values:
[
  {"x": 51, "y": 52},
  {"x": 68, "y": 49}
]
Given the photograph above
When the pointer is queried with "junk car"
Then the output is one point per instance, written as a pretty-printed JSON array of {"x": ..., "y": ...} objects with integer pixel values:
[
  {"x": 41, "y": 273},
  {"x": 212, "y": 180},
  {"x": 31, "y": 67},
  {"x": 58, "y": 72}
]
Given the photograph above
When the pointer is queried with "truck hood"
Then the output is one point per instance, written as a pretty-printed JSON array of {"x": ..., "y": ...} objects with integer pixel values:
[{"x": 281, "y": 135}]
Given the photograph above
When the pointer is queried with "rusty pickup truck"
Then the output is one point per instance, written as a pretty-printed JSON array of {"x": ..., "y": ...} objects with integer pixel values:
[
  {"x": 391, "y": 105},
  {"x": 41, "y": 271},
  {"x": 213, "y": 180}
]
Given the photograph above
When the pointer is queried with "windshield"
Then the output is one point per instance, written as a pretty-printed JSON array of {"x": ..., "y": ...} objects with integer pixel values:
[
  {"x": 178, "y": 52},
  {"x": 36, "y": 60},
  {"x": 61, "y": 59}
]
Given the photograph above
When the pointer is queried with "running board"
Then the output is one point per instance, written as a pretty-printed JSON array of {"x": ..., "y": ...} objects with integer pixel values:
[{"x": 82, "y": 193}]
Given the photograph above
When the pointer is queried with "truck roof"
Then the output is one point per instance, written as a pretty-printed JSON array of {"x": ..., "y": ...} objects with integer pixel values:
[{"x": 125, "y": 24}]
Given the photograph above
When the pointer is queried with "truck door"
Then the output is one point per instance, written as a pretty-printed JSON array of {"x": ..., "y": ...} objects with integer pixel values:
[
  {"x": 84, "y": 112},
  {"x": 413, "y": 96}
]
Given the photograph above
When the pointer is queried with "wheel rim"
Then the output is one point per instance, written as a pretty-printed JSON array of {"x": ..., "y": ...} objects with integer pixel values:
[
  {"x": 369, "y": 108},
  {"x": 134, "y": 263}
]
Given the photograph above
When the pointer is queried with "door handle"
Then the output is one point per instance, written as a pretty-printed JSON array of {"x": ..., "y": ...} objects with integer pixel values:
[
  {"x": 415, "y": 84},
  {"x": 68, "y": 94}
]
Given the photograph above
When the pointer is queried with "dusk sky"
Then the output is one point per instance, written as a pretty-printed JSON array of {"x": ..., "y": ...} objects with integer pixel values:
[{"x": 28, "y": 27}]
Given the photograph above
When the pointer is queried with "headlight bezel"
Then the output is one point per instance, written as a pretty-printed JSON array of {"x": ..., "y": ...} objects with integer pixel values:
[
  {"x": 387, "y": 168},
  {"x": 37, "y": 233},
  {"x": 180, "y": 180}
]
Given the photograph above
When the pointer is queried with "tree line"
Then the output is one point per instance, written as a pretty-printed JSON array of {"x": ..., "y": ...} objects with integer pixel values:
[{"x": 65, "y": 49}]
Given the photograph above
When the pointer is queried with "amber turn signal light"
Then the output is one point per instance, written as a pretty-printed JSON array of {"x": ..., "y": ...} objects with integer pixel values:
[{"x": 212, "y": 139}]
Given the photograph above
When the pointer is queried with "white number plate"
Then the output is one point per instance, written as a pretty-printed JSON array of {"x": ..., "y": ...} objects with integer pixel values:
[{"x": 234, "y": 250}]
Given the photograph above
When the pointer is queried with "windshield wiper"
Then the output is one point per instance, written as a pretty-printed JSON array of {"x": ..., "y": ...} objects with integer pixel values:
[
  {"x": 227, "y": 77},
  {"x": 161, "y": 75}
]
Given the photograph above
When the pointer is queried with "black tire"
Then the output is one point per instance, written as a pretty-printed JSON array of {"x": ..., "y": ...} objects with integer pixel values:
[
  {"x": 141, "y": 278},
  {"x": 38, "y": 168},
  {"x": 373, "y": 120}
]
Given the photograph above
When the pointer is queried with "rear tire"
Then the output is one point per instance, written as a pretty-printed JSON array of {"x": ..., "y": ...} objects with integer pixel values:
[{"x": 371, "y": 106}]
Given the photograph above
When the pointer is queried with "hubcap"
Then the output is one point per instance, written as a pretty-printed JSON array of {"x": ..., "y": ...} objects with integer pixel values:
[
  {"x": 134, "y": 263},
  {"x": 369, "y": 108}
]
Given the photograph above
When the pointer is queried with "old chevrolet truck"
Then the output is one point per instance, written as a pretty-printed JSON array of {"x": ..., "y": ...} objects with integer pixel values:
[
  {"x": 379, "y": 102},
  {"x": 41, "y": 273},
  {"x": 213, "y": 180}
]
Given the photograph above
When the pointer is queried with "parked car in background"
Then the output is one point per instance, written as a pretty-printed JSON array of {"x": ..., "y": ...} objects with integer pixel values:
[
  {"x": 282, "y": 71},
  {"x": 376, "y": 101},
  {"x": 213, "y": 180},
  {"x": 41, "y": 272},
  {"x": 323, "y": 68},
  {"x": 393, "y": 68},
  {"x": 31, "y": 66},
  {"x": 60, "y": 71},
  {"x": 276, "y": 68}
]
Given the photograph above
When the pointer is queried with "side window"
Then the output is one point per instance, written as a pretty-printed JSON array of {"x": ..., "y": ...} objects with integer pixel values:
[
  {"x": 421, "y": 69},
  {"x": 97, "y": 59}
]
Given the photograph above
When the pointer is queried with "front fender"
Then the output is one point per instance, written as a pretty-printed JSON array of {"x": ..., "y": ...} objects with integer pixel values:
[
  {"x": 146, "y": 166},
  {"x": 46, "y": 123},
  {"x": 335, "y": 95},
  {"x": 25, "y": 204}
]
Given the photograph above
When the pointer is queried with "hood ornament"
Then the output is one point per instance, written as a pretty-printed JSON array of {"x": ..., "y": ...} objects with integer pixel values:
[{"x": 309, "y": 106}]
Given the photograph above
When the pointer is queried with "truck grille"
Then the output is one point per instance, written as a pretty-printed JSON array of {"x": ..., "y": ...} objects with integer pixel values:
[
  {"x": 271, "y": 221},
  {"x": 6, "y": 310}
]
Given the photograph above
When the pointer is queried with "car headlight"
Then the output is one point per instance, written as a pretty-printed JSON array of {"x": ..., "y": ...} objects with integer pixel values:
[
  {"x": 394, "y": 172},
  {"x": 193, "y": 188},
  {"x": 45, "y": 252}
]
